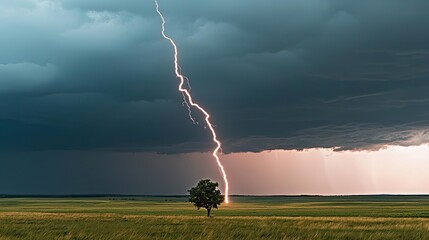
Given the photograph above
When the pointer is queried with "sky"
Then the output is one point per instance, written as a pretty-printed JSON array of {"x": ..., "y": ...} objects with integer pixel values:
[{"x": 312, "y": 97}]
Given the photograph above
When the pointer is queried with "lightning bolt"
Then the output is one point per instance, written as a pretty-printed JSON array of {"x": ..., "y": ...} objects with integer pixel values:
[{"x": 190, "y": 103}]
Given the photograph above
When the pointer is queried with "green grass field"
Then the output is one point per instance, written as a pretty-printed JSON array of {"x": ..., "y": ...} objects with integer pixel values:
[{"x": 363, "y": 217}]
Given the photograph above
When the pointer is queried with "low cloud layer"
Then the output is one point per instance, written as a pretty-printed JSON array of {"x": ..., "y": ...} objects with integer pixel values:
[{"x": 82, "y": 75}]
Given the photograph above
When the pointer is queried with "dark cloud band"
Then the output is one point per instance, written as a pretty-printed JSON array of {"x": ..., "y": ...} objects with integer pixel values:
[{"x": 83, "y": 75}]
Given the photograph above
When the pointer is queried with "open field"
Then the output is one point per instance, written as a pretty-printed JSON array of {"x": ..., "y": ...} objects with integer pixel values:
[{"x": 363, "y": 217}]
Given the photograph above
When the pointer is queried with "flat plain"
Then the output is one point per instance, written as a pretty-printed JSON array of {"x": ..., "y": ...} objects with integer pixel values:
[{"x": 346, "y": 217}]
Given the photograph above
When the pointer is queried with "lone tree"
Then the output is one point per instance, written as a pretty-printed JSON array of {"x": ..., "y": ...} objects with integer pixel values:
[{"x": 206, "y": 195}]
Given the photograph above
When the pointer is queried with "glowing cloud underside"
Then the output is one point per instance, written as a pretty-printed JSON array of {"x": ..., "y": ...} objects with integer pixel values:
[{"x": 188, "y": 101}]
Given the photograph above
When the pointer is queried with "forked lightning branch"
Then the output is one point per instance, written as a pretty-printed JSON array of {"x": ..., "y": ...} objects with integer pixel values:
[{"x": 191, "y": 103}]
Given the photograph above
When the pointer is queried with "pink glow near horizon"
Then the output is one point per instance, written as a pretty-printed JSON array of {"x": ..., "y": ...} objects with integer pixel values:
[{"x": 393, "y": 170}]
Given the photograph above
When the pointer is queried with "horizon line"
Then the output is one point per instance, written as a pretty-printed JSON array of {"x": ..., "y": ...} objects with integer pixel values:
[{"x": 185, "y": 195}]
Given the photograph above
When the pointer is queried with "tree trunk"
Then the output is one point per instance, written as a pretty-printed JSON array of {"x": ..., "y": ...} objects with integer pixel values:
[{"x": 208, "y": 211}]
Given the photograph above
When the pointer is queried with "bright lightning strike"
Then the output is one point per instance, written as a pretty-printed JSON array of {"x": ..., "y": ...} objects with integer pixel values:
[{"x": 190, "y": 102}]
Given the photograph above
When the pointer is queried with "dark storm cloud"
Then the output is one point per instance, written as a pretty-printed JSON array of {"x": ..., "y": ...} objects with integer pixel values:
[{"x": 82, "y": 75}]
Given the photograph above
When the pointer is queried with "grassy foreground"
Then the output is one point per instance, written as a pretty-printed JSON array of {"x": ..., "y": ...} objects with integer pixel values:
[{"x": 377, "y": 217}]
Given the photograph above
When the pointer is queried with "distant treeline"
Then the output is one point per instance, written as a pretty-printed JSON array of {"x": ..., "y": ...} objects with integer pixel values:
[{"x": 184, "y": 196}]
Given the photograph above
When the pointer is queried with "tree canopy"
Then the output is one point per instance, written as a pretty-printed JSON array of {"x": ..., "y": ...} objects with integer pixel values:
[{"x": 206, "y": 195}]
